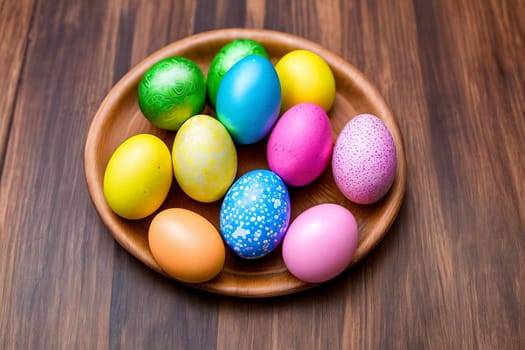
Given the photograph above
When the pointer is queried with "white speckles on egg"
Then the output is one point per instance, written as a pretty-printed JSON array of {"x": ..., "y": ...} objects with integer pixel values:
[
  {"x": 260, "y": 199},
  {"x": 364, "y": 159}
]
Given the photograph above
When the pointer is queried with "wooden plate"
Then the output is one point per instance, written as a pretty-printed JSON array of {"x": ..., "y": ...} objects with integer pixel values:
[{"x": 119, "y": 117}]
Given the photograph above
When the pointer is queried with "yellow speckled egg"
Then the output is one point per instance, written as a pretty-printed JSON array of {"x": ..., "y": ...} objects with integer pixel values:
[{"x": 204, "y": 158}]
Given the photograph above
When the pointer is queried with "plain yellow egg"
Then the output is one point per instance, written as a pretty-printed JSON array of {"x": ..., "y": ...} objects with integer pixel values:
[
  {"x": 204, "y": 158},
  {"x": 305, "y": 77},
  {"x": 138, "y": 176},
  {"x": 186, "y": 245}
]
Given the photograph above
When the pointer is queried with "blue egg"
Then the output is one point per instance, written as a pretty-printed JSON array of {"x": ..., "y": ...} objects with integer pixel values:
[
  {"x": 249, "y": 99},
  {"x": 255, "y": 214}
]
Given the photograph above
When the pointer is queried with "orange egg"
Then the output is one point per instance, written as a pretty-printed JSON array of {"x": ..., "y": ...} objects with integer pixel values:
[{"x": 186, "y": 245}]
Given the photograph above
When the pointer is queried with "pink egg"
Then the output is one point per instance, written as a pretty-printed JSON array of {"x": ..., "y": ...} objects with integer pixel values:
[
  {"x": 300, "y": 145},
  {"x": 320, "y": 243},
  {"x": 364, "y": 160}
]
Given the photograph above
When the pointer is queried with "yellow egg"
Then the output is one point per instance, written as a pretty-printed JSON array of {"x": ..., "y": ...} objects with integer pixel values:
[
  {"x": 305, "y": 77},
  {"x": 138, "y": 176},
  {"x": 186, "y": 245},
  {"x": 204, "y": 158}
]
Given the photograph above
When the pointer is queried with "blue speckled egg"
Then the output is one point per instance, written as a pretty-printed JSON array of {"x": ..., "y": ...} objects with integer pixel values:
[
  {"x": 255, "y": 214},
  {"x": 249, "y": 99}
]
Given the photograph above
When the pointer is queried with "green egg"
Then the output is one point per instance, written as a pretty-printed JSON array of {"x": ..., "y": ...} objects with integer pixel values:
[
  {"x": 171, "y": 91},
  {"x": 228, "y": 55}
]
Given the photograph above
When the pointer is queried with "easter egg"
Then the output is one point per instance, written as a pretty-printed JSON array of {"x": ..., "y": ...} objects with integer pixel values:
[
  {"x": 255, "y": 214},
  {"x": 138, "y": 176},
  {"x": 320, "y": 243},
  {"x": 249, "y": 99},
  {"x": 364, "y": 159},
  {"x": 171, "y": 91},
  {"x": 204, "y": 158},
  {"x": 305, "y": 77},
  {"x": 300, "y": 144},
  {"x": 186, "y": 245},
  {"x": 228, "y": 55}
]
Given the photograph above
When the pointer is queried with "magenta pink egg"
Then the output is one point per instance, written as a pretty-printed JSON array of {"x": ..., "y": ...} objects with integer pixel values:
[
  {"x": 300, "y": 145},
  {"x": 320, "y": 243},
  {"x": 364, "y": 160}
]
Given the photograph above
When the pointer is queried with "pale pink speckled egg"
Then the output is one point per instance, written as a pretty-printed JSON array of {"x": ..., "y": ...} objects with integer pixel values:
[
  {"x": 300, "y": 145},
  {"x": 364, "y": 159}
]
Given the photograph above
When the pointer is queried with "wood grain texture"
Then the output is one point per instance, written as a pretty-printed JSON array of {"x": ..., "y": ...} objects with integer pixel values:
[
  {"x": 15, "y": 19},
  {"x": 450, "y": 273}
]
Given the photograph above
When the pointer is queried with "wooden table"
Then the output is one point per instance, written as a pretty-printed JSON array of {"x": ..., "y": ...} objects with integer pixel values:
[{"x": 450, "y": 274}]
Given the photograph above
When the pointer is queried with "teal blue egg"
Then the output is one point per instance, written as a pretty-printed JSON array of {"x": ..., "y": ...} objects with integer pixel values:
[{"x": 249, "y": 99}]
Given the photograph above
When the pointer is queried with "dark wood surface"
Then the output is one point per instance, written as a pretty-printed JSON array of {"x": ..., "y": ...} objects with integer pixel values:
[{"x": 450, "y": 274}]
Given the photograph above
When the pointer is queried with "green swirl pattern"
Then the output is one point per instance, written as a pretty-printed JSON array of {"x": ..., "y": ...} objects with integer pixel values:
[
  {"x": 171, "y": 91},
  {"x": 228, "y": 55}
]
